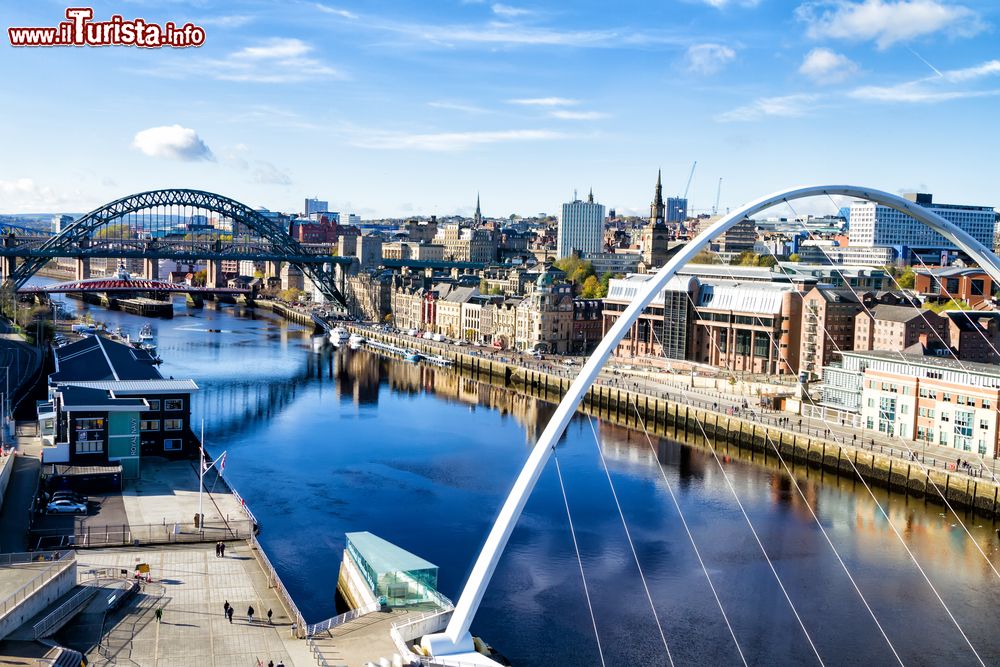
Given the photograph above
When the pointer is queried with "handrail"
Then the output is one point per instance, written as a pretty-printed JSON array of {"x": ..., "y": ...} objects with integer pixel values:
[
  {"x": 340, "y": 619},
  {"x": 19, "y": 595},
  {"x": 273, "y": 579},
  {"x": 42, "y": 627}
]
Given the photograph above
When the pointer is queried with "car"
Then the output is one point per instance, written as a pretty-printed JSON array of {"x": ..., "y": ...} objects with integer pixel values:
[
  {"x": 411, "y": 332},
  {"x": 428, "y": 335},
  {"x": 66, "y": 506},
  {"x": 460, "y": 342},
  {"x": 569, "y": 362},
  {"x": 71, "y": 495}
]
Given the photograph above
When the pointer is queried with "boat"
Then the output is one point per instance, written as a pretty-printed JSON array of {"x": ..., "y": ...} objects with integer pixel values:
[
  {"x": 339, "y": 335},
  {"x": 356, "y": 339},
  {"x": 146, "y": 332},
  {"x": 412, "y": 356}
]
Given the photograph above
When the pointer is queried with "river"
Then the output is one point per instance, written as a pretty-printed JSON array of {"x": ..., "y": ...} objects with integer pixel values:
[{"x": 328, "y": 443}]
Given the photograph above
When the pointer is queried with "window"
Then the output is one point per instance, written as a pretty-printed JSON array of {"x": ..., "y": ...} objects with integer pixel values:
[
  {"x": 149, "y": 425},
  {"x": 946, "y": 397},
  {"x": 173, "y": 424},
  {"x": 173, "y": 404},
  {"x": 154, "y": 404},
  {"x": 945, "y": 417},
  {"x": 904, "y": 409},
  {"x": 984, "y": 424},
  {"x": 986, "y": 404},
  {"x": 90, "y": 424},
  {"x": 173, "y": 444},
  {"x": 89, "y": 446}
]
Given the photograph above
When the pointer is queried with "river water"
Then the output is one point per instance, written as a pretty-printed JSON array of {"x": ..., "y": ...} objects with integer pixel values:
[{"x": 328, "y": 443}]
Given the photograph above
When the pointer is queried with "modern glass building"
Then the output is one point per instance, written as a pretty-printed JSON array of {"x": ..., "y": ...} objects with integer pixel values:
[{"x": 391, "y": 572}]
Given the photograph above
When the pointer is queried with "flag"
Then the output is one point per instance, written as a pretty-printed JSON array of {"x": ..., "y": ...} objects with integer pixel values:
[
  {"x": 204, "y": 463},
  {"x": 222, "y": 462}
]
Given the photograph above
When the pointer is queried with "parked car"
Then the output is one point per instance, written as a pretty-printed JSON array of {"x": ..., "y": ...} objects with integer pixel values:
[
  {"x": 460, "y": 342},
  {"x": 66, "y": 506},
  {"x": 428, "y": 335},
  {"x": 411, "y": 332},
  {"x": 71, "y": 495},
  {"x": 438, "y": 338}
]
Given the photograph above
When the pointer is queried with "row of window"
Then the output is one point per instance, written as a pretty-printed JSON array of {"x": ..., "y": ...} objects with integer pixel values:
[
  {"x": 168, "y": 424},
  {"x": 97, "y": 446}
]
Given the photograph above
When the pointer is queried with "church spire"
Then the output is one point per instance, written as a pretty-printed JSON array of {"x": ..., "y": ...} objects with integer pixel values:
[
  {"x": 657, "y": 211},
  {"x": 590, "y": 197},
  {"x": 478, "y": 219}
]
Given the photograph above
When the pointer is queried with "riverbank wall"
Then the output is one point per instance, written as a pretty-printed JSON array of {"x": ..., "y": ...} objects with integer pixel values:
[
  {"x": 728, "y": 435},
  {"x": 288, "y": 313}
]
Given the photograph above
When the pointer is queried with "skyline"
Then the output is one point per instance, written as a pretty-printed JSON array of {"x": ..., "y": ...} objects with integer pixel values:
[{"x": 392, "y": 110}]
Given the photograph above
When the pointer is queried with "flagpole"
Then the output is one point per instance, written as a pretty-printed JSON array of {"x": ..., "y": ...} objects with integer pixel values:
[{"x": 201, "y": 477}]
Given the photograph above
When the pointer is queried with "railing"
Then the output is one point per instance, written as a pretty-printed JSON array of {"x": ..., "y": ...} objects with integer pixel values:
[
  {"x": 243, "y": 503},
  {"x": 58, "y": 562},
  {"x": 317, "y": 653},
  {"x": 399, "y": 635},
  {"x": 156, "y": 533},
  {"x": 323, "y": 626},
  {"x": 298, "y": 629},
  {"x": 44, "y": 627}
]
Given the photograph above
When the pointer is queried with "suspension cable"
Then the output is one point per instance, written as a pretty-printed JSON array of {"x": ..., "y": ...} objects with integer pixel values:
[
  {"x": 902, "y": 440},
  {"x": 579, "y": 560},
  {"x": 801, "y": 493},
  {"x": 628, "y": 535}
]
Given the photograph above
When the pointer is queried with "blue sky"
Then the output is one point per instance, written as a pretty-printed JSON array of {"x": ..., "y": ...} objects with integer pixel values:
[{"x": 407, "y": 108}]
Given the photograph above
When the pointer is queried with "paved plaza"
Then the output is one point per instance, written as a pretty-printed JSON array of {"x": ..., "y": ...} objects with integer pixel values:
[{"x": 191, "y": 585}]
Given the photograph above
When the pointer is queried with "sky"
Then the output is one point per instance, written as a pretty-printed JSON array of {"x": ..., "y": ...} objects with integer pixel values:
[{"x": 391, "y": 108}]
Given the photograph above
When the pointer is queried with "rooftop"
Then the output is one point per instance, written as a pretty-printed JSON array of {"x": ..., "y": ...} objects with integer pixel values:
[
  {"x": 942, "y": 363},
  {"x": 890, "y": 313},
  {"x": 384, "y": 557},
  {"x": 141, "y": 387},
  {"x": 97, "y": 358},
  {"x": 78, "y": 398}
]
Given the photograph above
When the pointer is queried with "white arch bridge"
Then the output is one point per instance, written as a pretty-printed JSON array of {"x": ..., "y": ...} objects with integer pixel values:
[{"x": 455, "y": 638}]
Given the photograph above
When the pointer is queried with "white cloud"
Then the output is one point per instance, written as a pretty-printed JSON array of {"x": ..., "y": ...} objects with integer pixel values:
[
  {"x": 230, "y": 21},
  {"x": 447, "y": 141},
  {"x": 343, "y": 13},
  {"x": 566, "y": 114},
  {"x": 267, "y": 173},
  {"x": 22, "y": 195},
  {"x": 708, "y": 58},
  {"x": 722, "y": 4},
  {"x": 786, "y": 106},
  {"x": 545, "y": 102},
  {"x": 933, "y": 89},
  {"x": 825, "y": 65},
  {"x": 886, "y": 22},
  {"x": 507, "y": 11},
  {"x": 276, "y": 60},
  {"x": 172, "y": 141},
  {"x": 454, "y": 106}
]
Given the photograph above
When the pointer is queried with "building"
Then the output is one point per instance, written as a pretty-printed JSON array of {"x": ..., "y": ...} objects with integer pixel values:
[
  {"x": 974, "y": 335},
  {"x": 316, "y": 206},
  {"x": 921, "y": 399},
  {"x": 588, "y": 325},
  {"x": 860, "y": 278},
  {"x": 973, "y": 285},
  {"x": 581, "y": 228},
  {"x": 421, "y": 232},
  {"x": 620, "y": 261},
  {"x": 467, "y": 245},
  {"x": 108, "y": 406},
  {"x": 655, "y": 237},
  {"x": 544, "y": 318},
  {"x": 876, "y": 225},
  {"x": 677, "y": 209},
  {"x": 827, "y": 328},
  {"x": 369, "y": 295},
  {"x": 889, "y": 327},
  {"x": 61, "y": 222},
  {"x": 400, "y": 250},
  {"x": 739, "y": 238},
  {"x": 479, "y": 314},
  {"x": 664, "y": 327},
  {"x": 820, "y": 252},
  {"x": 450, "y": 302}
]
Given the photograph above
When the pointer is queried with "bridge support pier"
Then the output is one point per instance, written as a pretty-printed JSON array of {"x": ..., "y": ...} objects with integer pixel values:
[
  {"x": 272, "y": 269},
  {"x": 214, "y": 276},
  {"x": 151, "y": 269},
  {"x": 82, "y": 268},
  {"x": 7, "y": 266}
]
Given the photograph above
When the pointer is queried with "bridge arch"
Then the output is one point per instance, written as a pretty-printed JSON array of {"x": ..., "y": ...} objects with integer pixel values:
[
  {"x": 74, "y": 238},
  {"x": 456, "y": 637}
]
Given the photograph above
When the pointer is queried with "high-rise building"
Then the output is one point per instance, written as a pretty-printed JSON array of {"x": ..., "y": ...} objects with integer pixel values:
[
  {"x": 316, "y": 206},
  {"x": 61, "y": 222},
  {"x": 581, "y": 227},
  {"x": 677, "y": 209},
  {"x": 872, "y": 224}
]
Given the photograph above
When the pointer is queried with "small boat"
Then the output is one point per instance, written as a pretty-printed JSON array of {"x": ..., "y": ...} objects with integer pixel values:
[
  {"x": 356, "y": 339},
  {"x": 412, "y": 356},
  {"x": 339, "y": 335},
  {"x": 146, "y": 332}
]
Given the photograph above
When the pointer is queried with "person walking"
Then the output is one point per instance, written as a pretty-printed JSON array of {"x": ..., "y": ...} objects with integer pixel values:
[
  {"x": 159, "y": 614},
  {"x": 229, "y": 614},
  {"x": 250, "y": 614},
  {"x": 217, "y": 549},
  {"x": 222, "y": 549},
  {"x": 225, "y": 608},
  {"x": 269, "y": 613}
]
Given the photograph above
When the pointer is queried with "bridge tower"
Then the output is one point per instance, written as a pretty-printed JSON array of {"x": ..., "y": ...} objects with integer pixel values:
[
  {"x": 9, "y": 262},
  {"x": 151, "y": 269},
  {"x": 214, "y": 276}
]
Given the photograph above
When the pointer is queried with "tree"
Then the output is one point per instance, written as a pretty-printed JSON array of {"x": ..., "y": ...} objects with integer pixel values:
[
  {"x": 795, "y": 257},
  {"x": 706, "y": 257},
  {"x": 591, "y": 288},
  {"x": 577, "y": 270},
  {"x": 745, "y": 258},
  {"x": 200, "y": 278},
  {"x": 907, "y": 278},
  {"x": 605, "y": 285},
  {"x": 766, "y": 260},
  {"x": 290, "y": 295}
]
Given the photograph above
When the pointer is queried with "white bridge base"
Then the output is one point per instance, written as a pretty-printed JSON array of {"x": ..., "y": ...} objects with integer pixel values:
[{"x": 440, "y": 645}]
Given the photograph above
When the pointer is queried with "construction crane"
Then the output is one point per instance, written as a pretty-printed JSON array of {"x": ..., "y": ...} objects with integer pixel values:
[
  {"x": 718, "y": 194},
  {"x": 690, "y": 176}
]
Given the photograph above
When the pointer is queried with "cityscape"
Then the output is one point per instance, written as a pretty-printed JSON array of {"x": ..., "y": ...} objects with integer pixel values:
[{"x": 460, "y": 350}]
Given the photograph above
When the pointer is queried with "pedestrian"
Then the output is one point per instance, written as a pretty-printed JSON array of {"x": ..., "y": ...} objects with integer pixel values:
[
  {"x": 225, "y": 609},
  {"x": 159, "y": 614},
  {"x": 229, "y": 614},
  {"x": 269, "y": 612},
  {"x": 222, "y": 549},
  {"x": 270, "y": 663},
  {"x": 250, "y": 614},
  {"x": 218, "y": 549}
]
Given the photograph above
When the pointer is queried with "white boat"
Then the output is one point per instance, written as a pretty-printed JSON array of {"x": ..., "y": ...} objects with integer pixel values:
[
  {"x": 146, "y": 332},
  {"x": 356, "y": 339},
  {"x": 339, "y": 335}
]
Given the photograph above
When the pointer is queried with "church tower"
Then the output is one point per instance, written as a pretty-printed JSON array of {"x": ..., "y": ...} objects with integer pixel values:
[
  {"x": 655, "y": 237},
  {"x": 477, "y": 220}
]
